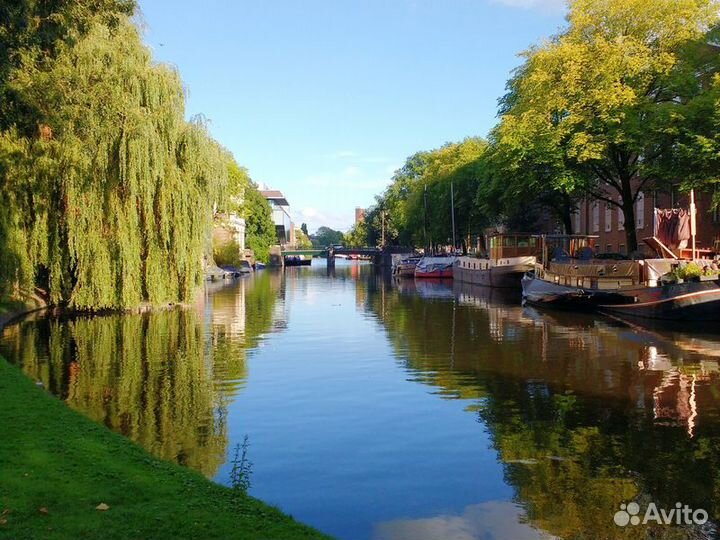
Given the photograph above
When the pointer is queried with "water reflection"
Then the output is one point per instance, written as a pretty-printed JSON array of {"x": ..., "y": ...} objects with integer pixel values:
[
  {"x": 388, "y": 410},
  {"x": 163, "y": 379},
  {"x": 485, "y": 521},
  {"x": 585, "y": 413}
]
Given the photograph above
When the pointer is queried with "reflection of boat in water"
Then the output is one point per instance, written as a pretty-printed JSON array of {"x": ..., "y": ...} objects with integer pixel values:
[
  {"x": 511, "y": 255},
  {"x": 435, "y": 267},
  {"x": 482, "y": 296},
  {"x": 434, "y": 288},
  {"x": 569, "y": 277}
]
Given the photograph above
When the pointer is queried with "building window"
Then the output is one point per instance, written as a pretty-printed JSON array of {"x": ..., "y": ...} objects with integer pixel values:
[
  {"x": 608, "y": 248},
  {"x": 640, "y": 210},
  {"x": 621, "y": 217},
  {"x": 596, "y": 217},
  {"x": 608, "y": 217},
  {"x": 622, "y": 249}
]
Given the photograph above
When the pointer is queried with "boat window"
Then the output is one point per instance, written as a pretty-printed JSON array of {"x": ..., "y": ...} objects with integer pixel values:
[
  {"x": 508, "y": 241},
  {"x": 523, "y": 242}
]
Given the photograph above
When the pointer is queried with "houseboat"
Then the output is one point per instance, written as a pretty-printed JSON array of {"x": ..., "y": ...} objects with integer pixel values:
[
  {"x": 570, "y": 276},
  {"x": 510, "y": 256}
]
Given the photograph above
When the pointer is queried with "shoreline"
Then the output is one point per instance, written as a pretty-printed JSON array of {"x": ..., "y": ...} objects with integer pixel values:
[{"x": 59, "y": 466}]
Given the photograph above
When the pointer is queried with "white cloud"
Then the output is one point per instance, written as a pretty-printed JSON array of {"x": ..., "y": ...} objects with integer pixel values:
[
  {"x": 489, "y": 520},
  {"x": 548, "y": 6},
  {"x": 308, "y": 212}
]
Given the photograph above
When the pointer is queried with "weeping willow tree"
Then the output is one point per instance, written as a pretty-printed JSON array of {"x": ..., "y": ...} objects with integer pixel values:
[{"x": 108, "y": 201}]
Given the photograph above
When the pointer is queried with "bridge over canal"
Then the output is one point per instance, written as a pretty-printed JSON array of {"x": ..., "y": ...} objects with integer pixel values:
[{"x": 379, "y": 256}]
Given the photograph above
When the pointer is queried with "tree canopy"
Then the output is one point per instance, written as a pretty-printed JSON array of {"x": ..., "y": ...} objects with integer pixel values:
[
  {"x": 325, "y": 236},
  {"x": 601, "y": 107},
  {"x": 626, "y": 98},
  {"x": 108, "y": 191}
]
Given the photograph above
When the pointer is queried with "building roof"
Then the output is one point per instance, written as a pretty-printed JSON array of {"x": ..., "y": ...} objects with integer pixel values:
[{"x": 275, "y": 195}]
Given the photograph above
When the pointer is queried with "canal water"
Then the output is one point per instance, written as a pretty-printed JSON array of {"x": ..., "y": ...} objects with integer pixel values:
[{"x": 386, "y": 410}]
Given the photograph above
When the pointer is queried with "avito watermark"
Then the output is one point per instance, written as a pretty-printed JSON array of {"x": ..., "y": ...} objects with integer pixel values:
[{"x": 682, "y": 514}]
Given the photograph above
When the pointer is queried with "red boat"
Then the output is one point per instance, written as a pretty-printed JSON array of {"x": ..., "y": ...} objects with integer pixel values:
[{"x": 435, "y": 267}]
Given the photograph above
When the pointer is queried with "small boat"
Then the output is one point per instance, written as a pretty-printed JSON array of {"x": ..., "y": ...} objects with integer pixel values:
[
  {"x": 510, "y": 257},
  {"x": 259, "y": 266},
  {"x": 543, "y": 293},
  {"x": 435, "y": 267},
  {"x": 297, "y": 260},
  {"x": 243, "y": 267},
  {"x": 405, "y": 267}
]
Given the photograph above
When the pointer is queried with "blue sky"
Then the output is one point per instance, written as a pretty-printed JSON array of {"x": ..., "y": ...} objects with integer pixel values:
[{"x": 324, "y": 99}]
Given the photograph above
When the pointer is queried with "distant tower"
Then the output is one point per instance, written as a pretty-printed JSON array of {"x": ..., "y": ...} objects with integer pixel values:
[{"x": 359, "y": 214}]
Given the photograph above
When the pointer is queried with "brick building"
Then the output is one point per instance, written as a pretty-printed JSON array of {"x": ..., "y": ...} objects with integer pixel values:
[
  {"x": 601, "y": 219},
  {"x": 359, "y": 214}
]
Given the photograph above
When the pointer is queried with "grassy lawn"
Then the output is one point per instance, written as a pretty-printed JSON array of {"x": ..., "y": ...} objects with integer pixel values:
[{"x": 56, "y": 467}]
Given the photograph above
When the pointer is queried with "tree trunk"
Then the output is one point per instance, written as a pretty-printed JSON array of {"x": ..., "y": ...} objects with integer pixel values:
[
  {"x": 628, "y": 210},
  {"x": 566, "y": 212}
]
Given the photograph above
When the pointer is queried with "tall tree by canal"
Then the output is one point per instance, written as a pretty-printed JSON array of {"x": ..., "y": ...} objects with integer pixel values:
[
  {"x": 107, "y": 190},
  {"x": 624, "y": 99}
]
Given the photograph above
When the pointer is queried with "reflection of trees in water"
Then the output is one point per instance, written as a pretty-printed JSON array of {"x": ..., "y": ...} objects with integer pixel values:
[
  {"x": 581, "y": 416},
  {"x": 159, "y": 378}
]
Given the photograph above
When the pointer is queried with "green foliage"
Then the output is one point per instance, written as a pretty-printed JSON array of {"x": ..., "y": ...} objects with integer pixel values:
[
  {"x": 357, "y": 236},
  {"x": 325, "y": 236},
  {"x": 302, "y": 240},
  {"x": 427, "y": 177},
  {"x": 241, "y": 470},
  {"x": 692, "y": 270},
  {"x": 607, "y": 106},
  {"x": 226, "y": 254},
  {"x": 239, "y": 183},
  {"x": 109, "y": 190},
  {"x": 259, "y": 227}
]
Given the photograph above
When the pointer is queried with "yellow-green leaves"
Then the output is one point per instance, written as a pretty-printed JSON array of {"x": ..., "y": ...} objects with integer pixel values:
[
  {"x": 112, "y": 204},
  {"x": 604, "y": 106}
]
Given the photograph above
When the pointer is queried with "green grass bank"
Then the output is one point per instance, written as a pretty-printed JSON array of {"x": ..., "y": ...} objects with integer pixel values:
[{"x": 57, "y": 466}]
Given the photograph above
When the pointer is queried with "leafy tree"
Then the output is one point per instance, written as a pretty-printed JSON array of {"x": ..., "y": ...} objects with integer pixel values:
[
  {"x": 606, "y": 99},
  {"x": 520, "y": 185},
  {"x": 260, "y": 231},
  {"x": 107, "y": 190},
  {"x": 325, "y": 236},
  {"x": 427, "y": 177},
  {"x": 301, "y": 239},
  {"x": 357, "y": 236}
]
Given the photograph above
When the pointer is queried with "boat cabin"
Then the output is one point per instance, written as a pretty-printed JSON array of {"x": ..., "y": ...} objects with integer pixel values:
[
  {"x": 569, "y": 260},
  {"x": 509, "y": 245}
]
